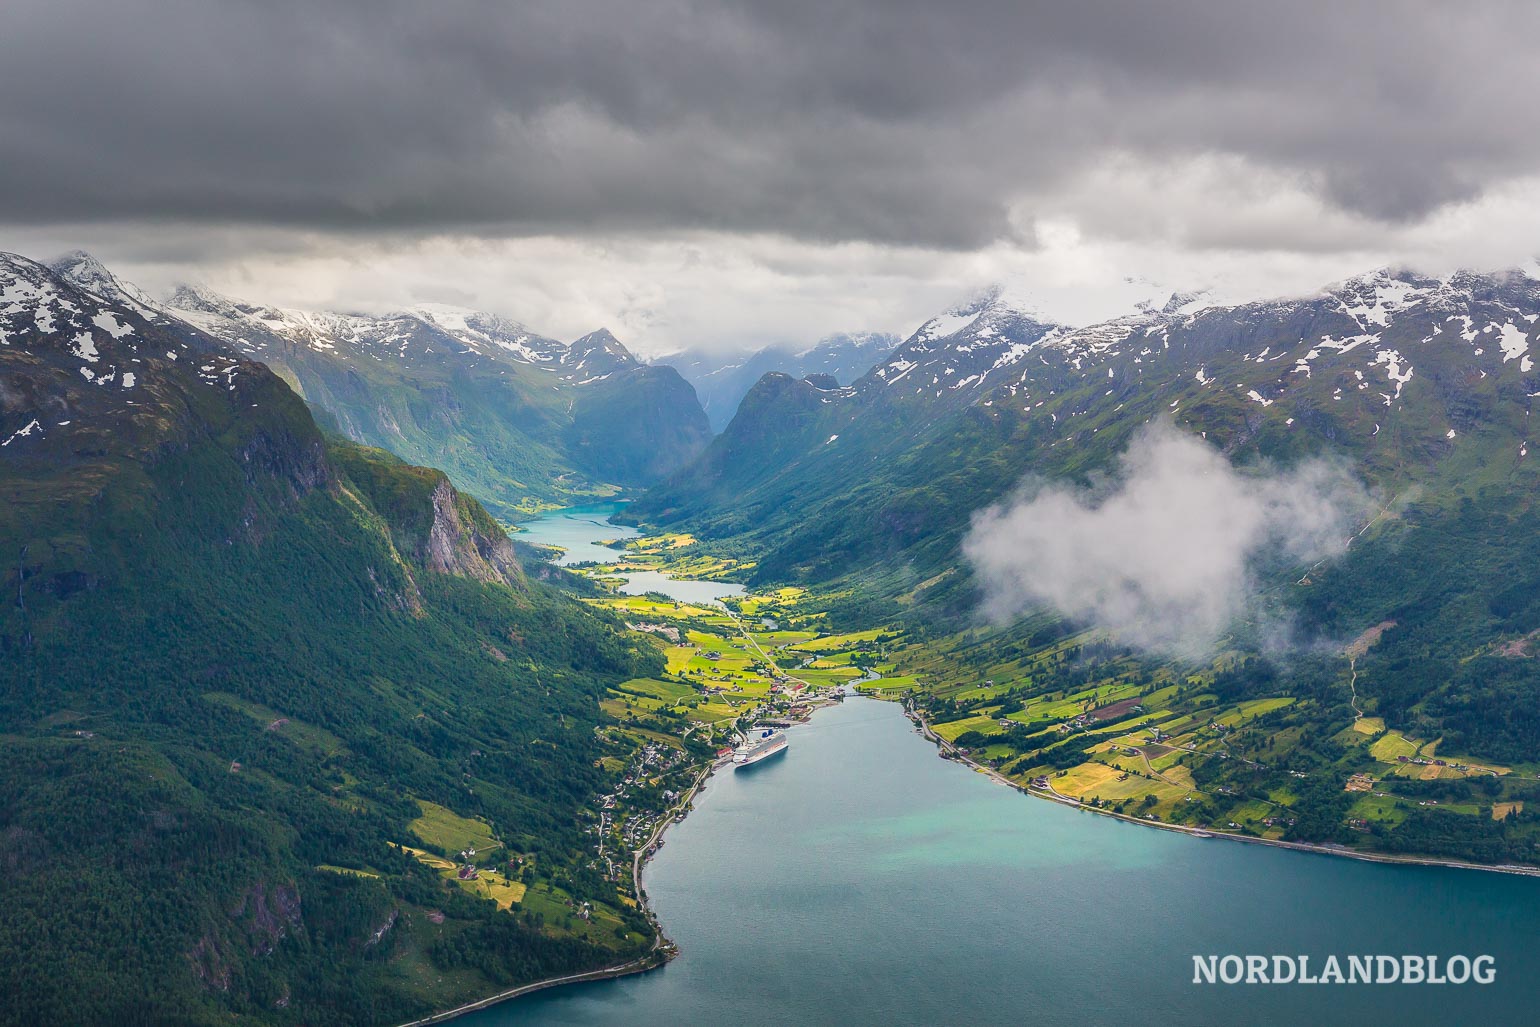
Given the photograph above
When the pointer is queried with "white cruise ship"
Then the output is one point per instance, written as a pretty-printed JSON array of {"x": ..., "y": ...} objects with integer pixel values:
[{"x": 768, "y": 742}]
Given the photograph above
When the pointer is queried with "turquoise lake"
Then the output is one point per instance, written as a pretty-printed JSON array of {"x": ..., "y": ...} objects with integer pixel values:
[{"x": 579, "y": 529}]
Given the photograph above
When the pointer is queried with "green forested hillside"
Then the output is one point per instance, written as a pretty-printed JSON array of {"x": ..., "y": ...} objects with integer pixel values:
[{"x": 238, "y": 665}]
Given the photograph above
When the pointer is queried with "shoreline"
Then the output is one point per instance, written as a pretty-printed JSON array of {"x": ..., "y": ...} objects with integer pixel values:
[
  {"x": 924, "y": 728},
  {"x": 663, "y": 950},
  {"x": 652, "y": 961}
]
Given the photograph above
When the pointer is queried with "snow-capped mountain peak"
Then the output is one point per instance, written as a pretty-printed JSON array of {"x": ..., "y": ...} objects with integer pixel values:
[
  {"x": 955, "y": 352},
  {"x": 100, "y": 340},
  {"x": 1372, "y": 299},
  {"x": 596, "y": 355},
  {"x": 84, "y": 271},
  {"x": 480, "y": 330},
  {"x": 977, "y": 316},
  {"x": 1183, "y": 303}
]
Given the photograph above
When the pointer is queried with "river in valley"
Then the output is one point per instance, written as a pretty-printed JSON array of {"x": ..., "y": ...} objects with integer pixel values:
[{"x": 861, "y": 880}]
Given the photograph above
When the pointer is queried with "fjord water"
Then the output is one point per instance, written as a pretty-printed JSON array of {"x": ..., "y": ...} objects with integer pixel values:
[
  {"x": 861, "y": 880},
  {"x": 580, "y": 529}
]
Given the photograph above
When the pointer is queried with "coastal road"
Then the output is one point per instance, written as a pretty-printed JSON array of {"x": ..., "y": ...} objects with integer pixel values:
[
  {"x": 638, "y": 965},
  {"x": 657, "y": 832}
]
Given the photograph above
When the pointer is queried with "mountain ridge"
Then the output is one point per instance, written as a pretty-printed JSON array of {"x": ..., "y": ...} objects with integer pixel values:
[
  {"x": 1274, "y": 378},
  {"x": 478, "y": 394},
  {"x": 722, "y": 382}
]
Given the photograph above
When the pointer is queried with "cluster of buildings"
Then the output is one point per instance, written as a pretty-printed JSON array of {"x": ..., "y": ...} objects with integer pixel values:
[{"x": 651, "y": 761}]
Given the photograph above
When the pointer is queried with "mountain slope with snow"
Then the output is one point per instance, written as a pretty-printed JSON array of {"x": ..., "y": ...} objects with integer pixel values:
[
  {"x": 1407, "y": 376},
  {"x": 520, "y": 419}
]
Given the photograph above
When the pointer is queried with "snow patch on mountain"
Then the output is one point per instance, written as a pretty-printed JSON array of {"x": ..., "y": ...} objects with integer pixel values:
[
  {"x": 1512, "y": 339},
  {"x": 107, "y": 321},
  {"x": 22, "y": 432},
  {"x": 85, "y": 349}
]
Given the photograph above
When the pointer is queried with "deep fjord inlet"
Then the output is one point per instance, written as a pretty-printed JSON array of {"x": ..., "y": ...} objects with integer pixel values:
[{"x": 633, "y": 512}]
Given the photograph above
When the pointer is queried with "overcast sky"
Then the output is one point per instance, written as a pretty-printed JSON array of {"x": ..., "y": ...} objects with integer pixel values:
[{"x": 719, "y": 173}]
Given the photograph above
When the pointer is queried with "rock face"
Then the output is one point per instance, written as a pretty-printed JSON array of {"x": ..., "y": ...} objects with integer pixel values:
[
  {"x": 93, "y": 387},
  {"x": 268, "y": 914},
  {"x": 458, "y": 544}
]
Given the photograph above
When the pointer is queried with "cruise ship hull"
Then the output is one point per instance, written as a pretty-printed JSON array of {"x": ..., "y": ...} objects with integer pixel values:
[{"x": 742, "y": 759}]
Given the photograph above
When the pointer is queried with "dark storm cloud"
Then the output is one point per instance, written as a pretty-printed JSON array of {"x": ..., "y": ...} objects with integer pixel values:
[{"x": 887, "y": 121}]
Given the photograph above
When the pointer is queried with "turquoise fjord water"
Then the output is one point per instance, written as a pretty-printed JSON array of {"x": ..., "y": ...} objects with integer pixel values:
[
  {"x": 579, "y": 529},
  {"x": 861, "y": 880}
]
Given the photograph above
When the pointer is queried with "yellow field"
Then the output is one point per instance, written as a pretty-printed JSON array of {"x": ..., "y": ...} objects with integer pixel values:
[
  {"x": 1369, "y": 725},
  {"x": 423, "y": 856},
  {"x": 657, "y": 543},
  {"x": 497, "y": 888},
  {"x": 1084, "y": 779},
  {"x": 1093, "y": 780},
  {"x": 489, "y": 884},
  {"x": 1180, "y": 775}
]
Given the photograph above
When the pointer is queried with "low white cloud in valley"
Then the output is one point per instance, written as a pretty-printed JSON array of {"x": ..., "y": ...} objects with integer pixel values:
[{"x": 1162, "y": 555}]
